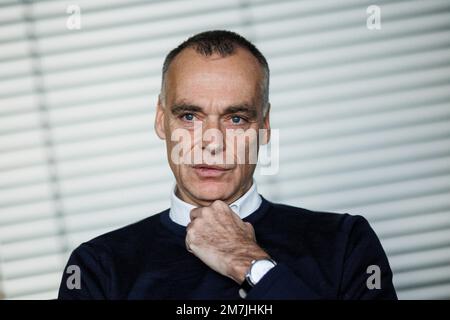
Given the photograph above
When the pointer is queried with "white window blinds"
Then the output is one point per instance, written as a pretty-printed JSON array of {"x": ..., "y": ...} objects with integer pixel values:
[{"x": 364, "y": 120}]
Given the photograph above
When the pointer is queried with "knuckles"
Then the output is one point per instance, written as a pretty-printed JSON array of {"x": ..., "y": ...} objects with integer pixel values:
[
  {"x": 191, "y": 234},
  {"x": 212, "y": 215},
  {"x": 218, "y": 204}
]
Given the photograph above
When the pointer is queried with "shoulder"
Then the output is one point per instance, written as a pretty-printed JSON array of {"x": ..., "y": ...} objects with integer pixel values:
[
  {"x": 316, "y": 221},
  {"x": 124, "y": 240},
  {"x": 111, "y": 258},
  {"x": 331, "y": 237}
]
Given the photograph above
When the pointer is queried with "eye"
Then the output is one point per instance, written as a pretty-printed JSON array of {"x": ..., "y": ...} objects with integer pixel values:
[
  {"x": 236, "y": 119},
  {"x": 188, "y": 117}
]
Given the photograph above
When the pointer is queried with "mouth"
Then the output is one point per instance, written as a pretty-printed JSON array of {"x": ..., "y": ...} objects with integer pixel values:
[{"x": 209, "y": 171}]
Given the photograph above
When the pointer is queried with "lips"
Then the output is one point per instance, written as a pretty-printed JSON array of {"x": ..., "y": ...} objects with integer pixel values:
[
  {"x": 209, "y": 167},
  {"x": 209, "y": 171}
]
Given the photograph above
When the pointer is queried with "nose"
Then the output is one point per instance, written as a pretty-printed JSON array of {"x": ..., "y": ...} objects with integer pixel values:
[
  {"x": 212, "y": 137},
  {"x": 213, "y": 148}
]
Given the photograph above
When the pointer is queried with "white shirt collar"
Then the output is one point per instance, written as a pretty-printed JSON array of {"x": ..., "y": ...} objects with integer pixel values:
[{"x": 244, "y": 206}]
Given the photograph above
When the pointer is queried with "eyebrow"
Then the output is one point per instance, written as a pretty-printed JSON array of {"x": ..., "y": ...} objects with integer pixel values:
[
  {"x": 243, "y": 108},
  {"x": 184, "y": 107},
  {"x": 179, "y": 108}
]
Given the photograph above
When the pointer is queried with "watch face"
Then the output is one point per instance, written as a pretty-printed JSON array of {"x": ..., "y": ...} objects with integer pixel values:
[{"x": 259, "y": 269}]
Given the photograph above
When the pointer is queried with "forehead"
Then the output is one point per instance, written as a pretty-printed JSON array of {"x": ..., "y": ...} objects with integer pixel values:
[{"x": 214, "y": 80}]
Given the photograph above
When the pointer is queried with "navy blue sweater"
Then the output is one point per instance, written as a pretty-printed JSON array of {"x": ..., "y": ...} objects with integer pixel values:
[{"x": 320, "y": 255}]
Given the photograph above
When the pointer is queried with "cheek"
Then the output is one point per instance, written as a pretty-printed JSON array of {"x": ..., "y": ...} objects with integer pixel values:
[
  {"x": 243, "y": 170},
  {"x": 180, "y": 146},
  {"x": 247, "y": 147}
]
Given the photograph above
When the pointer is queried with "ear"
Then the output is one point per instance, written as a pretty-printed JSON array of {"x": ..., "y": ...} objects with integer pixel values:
[
  {"x": 159, "y": 120},
  {"x": 266, "y": 126}
]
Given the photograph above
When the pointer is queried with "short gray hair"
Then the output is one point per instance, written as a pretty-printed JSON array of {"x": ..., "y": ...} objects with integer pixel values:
[{"x": 224, "y": 43}]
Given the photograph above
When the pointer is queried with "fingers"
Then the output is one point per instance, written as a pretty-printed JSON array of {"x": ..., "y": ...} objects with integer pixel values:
[
  {"x": 217, "y": 205},
  {"x": 187, "y": 239},
  {"x": 249, "y": 227},
  {"x": 213, "y": 225},
  {"x": 188, "y": 247},
  {"x": 195, "y": 213}
]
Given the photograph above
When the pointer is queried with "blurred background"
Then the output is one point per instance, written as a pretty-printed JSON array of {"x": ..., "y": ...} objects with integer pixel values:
[{"x": 362, "y": 105}]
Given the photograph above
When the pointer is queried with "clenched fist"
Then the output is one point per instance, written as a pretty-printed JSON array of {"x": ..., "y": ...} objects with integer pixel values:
[{"x": 224, "y": 242}]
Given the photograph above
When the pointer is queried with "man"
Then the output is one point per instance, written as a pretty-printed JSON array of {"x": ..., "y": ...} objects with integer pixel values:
[{"x": 220, "y": 239}]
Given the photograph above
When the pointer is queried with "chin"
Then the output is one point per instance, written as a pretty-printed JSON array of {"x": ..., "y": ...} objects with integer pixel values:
[{"x": 211, "y": 190}]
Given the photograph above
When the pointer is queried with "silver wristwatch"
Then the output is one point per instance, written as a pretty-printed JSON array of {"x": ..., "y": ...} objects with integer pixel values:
[{"x": 257, "y": 270}]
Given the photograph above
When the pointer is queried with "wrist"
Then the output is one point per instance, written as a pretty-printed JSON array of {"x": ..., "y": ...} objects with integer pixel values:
[
  {"x": 258, "y": 269},
  {"x": 240, "y": 266}
]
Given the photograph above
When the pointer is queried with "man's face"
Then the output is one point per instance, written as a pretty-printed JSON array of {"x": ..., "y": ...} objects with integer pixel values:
[{"x": 218, "y": 93}]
